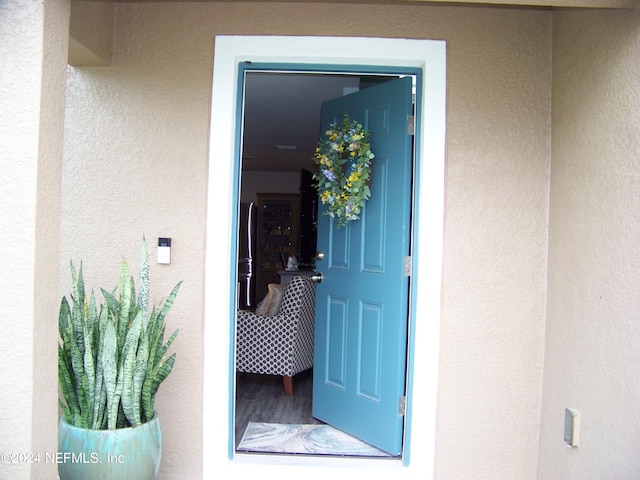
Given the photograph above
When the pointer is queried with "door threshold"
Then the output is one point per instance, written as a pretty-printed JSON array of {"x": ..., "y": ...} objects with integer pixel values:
[{"x": 258, "y": 458}]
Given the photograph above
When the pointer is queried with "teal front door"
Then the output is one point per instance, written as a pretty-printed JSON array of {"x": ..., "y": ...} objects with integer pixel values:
[{"x": 362, "y": 301}]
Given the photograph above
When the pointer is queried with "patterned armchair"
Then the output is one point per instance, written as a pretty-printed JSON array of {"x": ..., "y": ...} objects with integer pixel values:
[{"x": 281, "y": 344}]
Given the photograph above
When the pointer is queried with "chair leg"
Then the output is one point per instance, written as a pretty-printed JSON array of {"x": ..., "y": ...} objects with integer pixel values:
[{"x": 288, "y": 384}]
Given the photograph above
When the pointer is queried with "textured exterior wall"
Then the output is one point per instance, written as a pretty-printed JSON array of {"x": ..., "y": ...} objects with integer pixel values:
[
  {"x": 498, "y": 127},
  {"x": 33, "y": 50},
  {"x": 91, "y": 37},
  {"x": 136, "y": 162},
  {"x": 592, "y": 360},
  {"x": 20, "y": 74},
  {"x": 44, "y": 425}
]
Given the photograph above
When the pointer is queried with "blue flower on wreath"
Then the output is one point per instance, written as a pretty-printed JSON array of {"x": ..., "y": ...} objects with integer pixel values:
[{"x": 329, "y": 174}]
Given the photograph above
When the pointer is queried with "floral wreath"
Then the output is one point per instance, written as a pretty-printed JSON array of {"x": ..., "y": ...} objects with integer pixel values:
[{"x": 344, "y": 169}]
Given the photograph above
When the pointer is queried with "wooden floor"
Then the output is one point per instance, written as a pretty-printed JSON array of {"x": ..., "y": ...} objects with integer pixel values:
[{"x": 261, "y": 398}]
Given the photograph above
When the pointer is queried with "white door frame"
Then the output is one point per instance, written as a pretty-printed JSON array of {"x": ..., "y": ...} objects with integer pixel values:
[{"x": 430, "y": 57}]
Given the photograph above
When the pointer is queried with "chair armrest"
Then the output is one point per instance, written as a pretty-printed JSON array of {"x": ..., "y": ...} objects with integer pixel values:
[
  {"x": 245, "y": 317},
  {"x": 263, "y": 331},
  {"x": 258, "y": 337}
]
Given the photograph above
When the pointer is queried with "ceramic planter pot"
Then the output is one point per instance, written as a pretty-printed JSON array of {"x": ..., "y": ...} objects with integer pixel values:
[{"x": 123, "y": 454}]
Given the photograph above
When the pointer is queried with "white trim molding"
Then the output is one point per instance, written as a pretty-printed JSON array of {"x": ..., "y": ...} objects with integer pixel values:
[{"x": 430, "y": 57}]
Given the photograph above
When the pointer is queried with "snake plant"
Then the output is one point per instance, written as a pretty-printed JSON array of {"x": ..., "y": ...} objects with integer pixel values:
[{"x": 111, "y": 359}]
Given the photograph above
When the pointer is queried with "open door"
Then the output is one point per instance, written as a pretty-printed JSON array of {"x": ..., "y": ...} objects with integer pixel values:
[{"x": 362, "y": 301}]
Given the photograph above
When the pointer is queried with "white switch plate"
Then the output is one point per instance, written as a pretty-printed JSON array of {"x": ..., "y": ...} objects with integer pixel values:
[{"x": 571, "y": 427}]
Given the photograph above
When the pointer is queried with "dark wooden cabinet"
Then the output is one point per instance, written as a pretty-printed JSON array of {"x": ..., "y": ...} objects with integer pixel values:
[{"x": 277, "y": 234}]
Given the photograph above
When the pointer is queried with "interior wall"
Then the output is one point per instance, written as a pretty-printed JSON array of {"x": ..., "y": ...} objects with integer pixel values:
[
  {"x": 254, "y": 182},
  {"x": 592, "y": 360},
  {"x": 136, "y": 161}
]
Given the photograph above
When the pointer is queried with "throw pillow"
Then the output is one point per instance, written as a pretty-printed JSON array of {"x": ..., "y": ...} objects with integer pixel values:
[
  {"x": 262, "y": 306},
  {"x": 276, "y": 294}
]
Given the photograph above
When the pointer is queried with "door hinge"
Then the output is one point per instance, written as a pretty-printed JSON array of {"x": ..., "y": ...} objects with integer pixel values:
[
  {"x": 407, "y": 266},
  {"x": 402, "y": 406},
  {"x": 411, "y": 125}
]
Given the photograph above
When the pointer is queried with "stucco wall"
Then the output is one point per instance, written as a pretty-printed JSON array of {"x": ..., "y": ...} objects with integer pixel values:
[
  {"x": 20, "y": 75},
  {"x": 33, "y": 51},
  {"x": 91, "y": 39},
  {"x": 136, "y": 162},
  {"x": 592, "y": 360},
  {"x": 498, "y": 155}
]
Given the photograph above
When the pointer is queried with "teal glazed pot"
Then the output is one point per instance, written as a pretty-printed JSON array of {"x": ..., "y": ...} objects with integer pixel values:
[{"x": 123, "y": 454}]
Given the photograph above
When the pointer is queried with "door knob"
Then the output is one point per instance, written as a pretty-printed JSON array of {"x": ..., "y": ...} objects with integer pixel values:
[
  {"x": 319, "y": 255},
  {"x": 317, "y": 277}
]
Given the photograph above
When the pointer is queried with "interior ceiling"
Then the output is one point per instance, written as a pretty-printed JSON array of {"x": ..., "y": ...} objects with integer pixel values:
[{"x": 282, "y": 116}]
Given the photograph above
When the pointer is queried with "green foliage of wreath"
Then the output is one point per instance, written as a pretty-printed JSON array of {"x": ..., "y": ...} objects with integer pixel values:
[{"x": 344, "y": 160}]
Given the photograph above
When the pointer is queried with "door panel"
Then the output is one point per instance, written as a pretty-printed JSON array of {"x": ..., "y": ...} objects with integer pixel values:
[
  {"x": 362, "y": 303},
  {"x": 371, "y": 352},
  {"x": 374, "y": 222},
  {"x": 338, "y": 252},
  {"x": 336, "y": 346}
]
